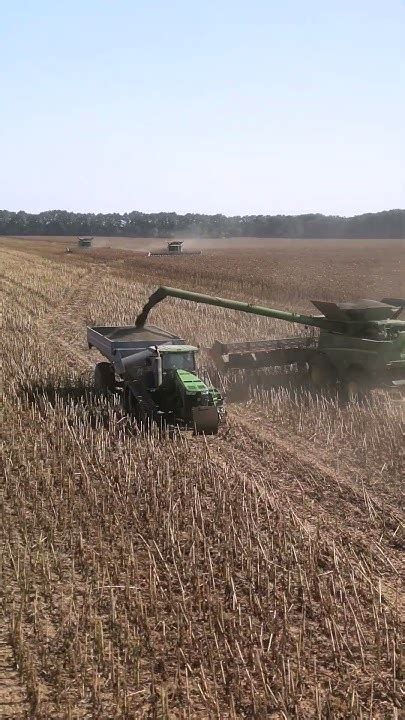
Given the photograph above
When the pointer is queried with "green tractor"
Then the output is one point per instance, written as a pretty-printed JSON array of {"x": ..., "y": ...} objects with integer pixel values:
[
  {"x": 156, "y": 373},
  {"x": 162, "y": 384}
]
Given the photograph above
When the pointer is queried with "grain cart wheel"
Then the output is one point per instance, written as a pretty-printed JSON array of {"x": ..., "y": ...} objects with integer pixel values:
[
  {"x": 104, "y": 377},
  {"x": 322, "y": 372}
]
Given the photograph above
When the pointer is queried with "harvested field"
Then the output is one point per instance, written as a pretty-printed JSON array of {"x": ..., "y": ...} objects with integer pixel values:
[
  {"x": 282, "y": 272},
  {"x": 256, "y": 574}
]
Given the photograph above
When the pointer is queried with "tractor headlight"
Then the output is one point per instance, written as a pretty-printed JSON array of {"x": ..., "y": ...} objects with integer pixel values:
[{"x": 204, "y": 397}]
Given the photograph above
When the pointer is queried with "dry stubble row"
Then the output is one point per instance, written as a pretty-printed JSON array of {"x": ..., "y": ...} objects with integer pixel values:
[{"x": 145, "y": 580}]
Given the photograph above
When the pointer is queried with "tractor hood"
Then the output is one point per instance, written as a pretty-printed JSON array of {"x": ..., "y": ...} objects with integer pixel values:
[{"x": 191, "y": 383}]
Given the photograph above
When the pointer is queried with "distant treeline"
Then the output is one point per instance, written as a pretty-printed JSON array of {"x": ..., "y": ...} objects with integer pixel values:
[{"x": 387, "y": 224}]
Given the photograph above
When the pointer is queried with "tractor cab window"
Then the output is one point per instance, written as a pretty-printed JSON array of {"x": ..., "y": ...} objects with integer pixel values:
[{"x": 179, "y": 361}]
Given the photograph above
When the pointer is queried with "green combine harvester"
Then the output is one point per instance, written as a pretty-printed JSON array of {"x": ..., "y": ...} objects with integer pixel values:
[{"x": 361, "y": 344}]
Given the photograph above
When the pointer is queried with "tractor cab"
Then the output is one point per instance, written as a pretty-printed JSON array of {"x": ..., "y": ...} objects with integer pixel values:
[
  {"x": 165, "y": 361},
  {"x": 178, "y": 357}
]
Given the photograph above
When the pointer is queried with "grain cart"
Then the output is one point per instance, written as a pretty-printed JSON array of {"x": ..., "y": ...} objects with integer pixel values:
[
  {"x": 156, "y": 373},
  {"x": 360, "y": 344}
]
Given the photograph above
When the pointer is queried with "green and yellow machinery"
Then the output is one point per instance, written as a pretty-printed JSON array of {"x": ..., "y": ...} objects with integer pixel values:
[
  {"x": 360, "y": 344},
  {"x": 156, "y": 373}
]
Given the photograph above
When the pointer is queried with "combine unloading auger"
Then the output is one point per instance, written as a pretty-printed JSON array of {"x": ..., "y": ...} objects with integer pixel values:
[{"x": 163, "y": 292}]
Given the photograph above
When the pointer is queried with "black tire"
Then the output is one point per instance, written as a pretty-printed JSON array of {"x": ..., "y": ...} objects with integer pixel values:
[
  {"x": 322, "y": 372},
  {"x": 135, "y": 410},
  {"x": 129, "y": 402},
  {"x": 356, "y": 384},
  {"x": 104, "y": 377}
]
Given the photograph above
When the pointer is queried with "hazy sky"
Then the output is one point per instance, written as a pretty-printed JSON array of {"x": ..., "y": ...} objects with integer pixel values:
[{"x": 232, "y": 106}]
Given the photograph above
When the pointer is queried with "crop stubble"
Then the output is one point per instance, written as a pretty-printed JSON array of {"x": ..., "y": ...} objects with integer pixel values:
[{"x": 249, "y": 575}]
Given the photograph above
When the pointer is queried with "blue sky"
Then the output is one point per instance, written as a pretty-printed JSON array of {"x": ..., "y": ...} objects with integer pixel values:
[{"x": 230, "y": 106}]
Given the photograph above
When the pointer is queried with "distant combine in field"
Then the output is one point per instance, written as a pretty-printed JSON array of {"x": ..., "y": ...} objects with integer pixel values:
[
  {"x": 84, "y": 242},
  {"x": 174, "y": 249}
]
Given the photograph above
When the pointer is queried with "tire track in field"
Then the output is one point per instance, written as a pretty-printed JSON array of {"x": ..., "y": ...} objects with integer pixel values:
[
  {"x": 53, "y": 323},
  {"x": 348, "y": 479},
  {"x": 51, "y": 331},
  {"x": 322, "y": 501}
]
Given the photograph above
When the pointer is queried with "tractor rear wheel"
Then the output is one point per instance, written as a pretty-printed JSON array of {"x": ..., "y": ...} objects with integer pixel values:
[
  {"x": 135, "y": 409},
  {"x": 322, "y": 372},
  {"x": 129, "y": 402},
  {"x": 104, "y": 377}
]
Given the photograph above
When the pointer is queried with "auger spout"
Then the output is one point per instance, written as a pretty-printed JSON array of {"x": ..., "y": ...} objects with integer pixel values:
[{"x": 163, "y": 292}]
